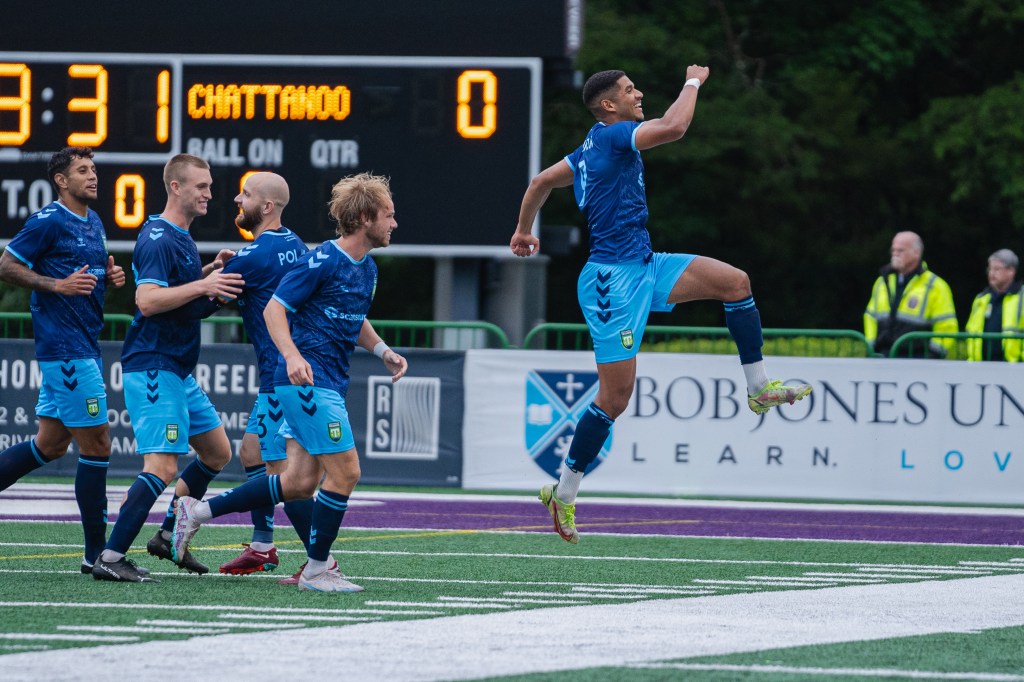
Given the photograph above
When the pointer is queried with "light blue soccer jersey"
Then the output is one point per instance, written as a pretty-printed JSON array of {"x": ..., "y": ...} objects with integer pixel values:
[
  {"x": 262, "y": 264},
  {"x": 56, "y": 242},
  {"x": 165, "y": 255},
  {"x": 608, "y": 180},
  {"x": 328, "y": 295}
]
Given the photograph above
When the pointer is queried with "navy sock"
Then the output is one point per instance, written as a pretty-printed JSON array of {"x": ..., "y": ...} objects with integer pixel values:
[
  {"x": 91, "y": 493},
  {"x": 328, "y": 511},
  {"x": 140, "y": 499},
  {"x": 591, "y": 433},
  {"x": 197, "y": 477},
  {"x": 744, "y": 323},
  {"x": 18, "y": 460},
  {"x": 300, "y": 513},
  {"x": 262, "y": 518},
  {"x": 261, "y": 492}
]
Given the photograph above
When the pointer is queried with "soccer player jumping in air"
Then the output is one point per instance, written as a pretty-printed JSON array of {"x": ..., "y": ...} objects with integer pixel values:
[{"x": 624, "y": 279}]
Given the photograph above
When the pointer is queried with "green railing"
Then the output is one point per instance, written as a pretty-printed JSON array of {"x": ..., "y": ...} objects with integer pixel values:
[
  {"x": 570, "y": 336},
  {"x": 229, "y": 329},
  {"x": 713, "y": 340},
  {"x": 916, "y": 344}
]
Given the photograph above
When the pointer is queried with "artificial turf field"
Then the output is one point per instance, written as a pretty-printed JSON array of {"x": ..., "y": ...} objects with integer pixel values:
[{"x": 513, "y": 601}]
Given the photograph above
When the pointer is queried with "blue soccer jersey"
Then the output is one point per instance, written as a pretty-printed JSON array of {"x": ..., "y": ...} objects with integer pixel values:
[
  {"x": 262, "y": 264},
  {"x": 328, "y": 295},
  {"x": 165, "y": 255},
  {"x": 608, "y": 180},
  {"x": 56, "y": 242}
]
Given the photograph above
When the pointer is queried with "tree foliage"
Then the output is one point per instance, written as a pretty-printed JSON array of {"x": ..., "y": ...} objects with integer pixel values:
[{"x": 823, "y": 129}]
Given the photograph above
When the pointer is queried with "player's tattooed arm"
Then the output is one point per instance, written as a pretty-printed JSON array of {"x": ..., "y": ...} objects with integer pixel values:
[{"x": 78, "y": 283}]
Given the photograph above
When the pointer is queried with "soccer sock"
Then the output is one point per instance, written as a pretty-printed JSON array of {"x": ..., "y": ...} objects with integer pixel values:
[
  {"x": 756, "y": 376},
  {"x": 568, "y": 485},
  {"x": 591, "y": 433},
  {"x": 18, "y": 460},
  {"x": 328, "y": 511},
  {"x": 140, "y": 499},
  {"x": 300, "y": 513},
  {"x": 91, "y": 494},
  {"x": 744, "y": 323},
  {"x": 262, "y": 518},
  {"x": 254, "y": 494},
  {"x": 197, "y": 477}
]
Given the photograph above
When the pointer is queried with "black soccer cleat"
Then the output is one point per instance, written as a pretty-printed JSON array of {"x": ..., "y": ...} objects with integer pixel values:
[
  {"x": 123, "y": 570},
  {"x": 161, "y": 549},
  {"x": 87, "y": 568}
]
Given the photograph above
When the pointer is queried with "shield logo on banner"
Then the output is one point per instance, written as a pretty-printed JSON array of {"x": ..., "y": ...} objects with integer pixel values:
[
  {"x": 555, "y": 400},
  {"x": 92, "y": 406},
  {"x": 172, "y": 433},
  {"x": 334, "y": 431}
]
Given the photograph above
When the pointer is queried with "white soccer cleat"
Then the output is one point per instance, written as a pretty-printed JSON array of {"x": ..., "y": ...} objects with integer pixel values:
[
  {"x": 330, "y": 580},
  {"x": 185, "y": 527}
]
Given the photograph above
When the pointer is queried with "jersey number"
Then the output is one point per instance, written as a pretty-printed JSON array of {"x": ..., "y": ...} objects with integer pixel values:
[{"x": 583, "y": 183}]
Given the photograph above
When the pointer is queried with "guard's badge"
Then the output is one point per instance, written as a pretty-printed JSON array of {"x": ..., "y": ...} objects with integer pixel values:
[
  {"x": 172, "y": 433},
  {"x": 627, "y": 338},
  {"x": 912, "y": 302},
  {"x": 334, "y": 431},
  {"x": 92, "y": 406}
]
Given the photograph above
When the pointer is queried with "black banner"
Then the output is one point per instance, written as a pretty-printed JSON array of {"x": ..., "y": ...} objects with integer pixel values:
[{"x": 407, "y": 433}]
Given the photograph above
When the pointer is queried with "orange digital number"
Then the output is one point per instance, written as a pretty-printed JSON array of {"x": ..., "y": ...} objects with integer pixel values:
[
  {"x": 135, "y": 184},
  {"x": 22, "y": 103},
  {"x": 97, "y": 104},
  {"x": 489, "y": 119},
  {"x": 163, "y": 108}
]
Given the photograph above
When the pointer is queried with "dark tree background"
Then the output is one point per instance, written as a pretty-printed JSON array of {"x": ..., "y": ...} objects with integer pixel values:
[{"x": 823, "y": 129}]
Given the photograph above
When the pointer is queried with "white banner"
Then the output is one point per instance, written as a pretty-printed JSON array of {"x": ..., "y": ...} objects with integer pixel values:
[{"x": 872, "y": 429}]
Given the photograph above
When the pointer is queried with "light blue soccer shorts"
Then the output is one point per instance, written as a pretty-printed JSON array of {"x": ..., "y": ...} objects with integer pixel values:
[
  {"x": 73, "y": 392},
  {"x": 617, "y": 298},
  {"x": 265, "y": 420},
  {"x": 167, "y": 410},
  {"x": 317, "y": 418}
]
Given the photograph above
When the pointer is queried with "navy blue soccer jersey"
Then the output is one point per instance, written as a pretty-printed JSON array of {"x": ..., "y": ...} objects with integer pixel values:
[
  {"x": 262, "y": 264},
  {"x": 608, "y": 180},
  {"x": 56, "y": 242},
  {"x": 328, "y": 295},
  {"x": 165, "y": 255}
]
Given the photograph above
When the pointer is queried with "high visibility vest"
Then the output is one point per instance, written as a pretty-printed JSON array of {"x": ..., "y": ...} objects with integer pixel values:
[
  {"x": 1012, "y": 308},
  {"x": 925, "y": 305}
]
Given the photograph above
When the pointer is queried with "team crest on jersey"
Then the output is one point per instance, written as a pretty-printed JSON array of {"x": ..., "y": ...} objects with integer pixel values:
[
  {"x": 334, "y": 431},
  {"x": 627, "y": 338},
  {"x": 171, "y": 433},
  {"x": 92, "y": 406},
  {"x": 555, "y": 401}
]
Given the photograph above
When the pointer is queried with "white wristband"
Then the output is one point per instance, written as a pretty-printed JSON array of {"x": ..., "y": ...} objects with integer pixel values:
[
  {"x": 695, "y": 82},
  {"x": 380, "y": 349}
]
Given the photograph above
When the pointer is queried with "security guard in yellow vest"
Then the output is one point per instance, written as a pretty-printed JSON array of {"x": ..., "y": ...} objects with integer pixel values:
[
  {"x": 908, "y": 297},
  {"x": 997, "y": 309}
]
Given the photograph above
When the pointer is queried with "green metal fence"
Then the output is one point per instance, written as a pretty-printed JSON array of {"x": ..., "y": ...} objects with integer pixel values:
[
  {"x": 916, "y": 344},
  {"x": 570, "y": 336},
  {"x": 229, "y": 329},
  {"x": 714, "y": 340}
]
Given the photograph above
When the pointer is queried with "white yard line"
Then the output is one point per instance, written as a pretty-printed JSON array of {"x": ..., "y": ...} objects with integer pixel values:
[
  {"x": 362, "y": 497},
  {"x": 521, "y": 642}
]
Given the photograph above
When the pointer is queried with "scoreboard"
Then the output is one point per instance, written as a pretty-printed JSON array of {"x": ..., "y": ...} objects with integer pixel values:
[{"x": 458, "y": 136}]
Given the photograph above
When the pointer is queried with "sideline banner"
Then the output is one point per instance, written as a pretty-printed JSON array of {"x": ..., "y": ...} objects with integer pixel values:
[
  {"x": 872, "y": 429},
  {"x": 405, "y": 433}
]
